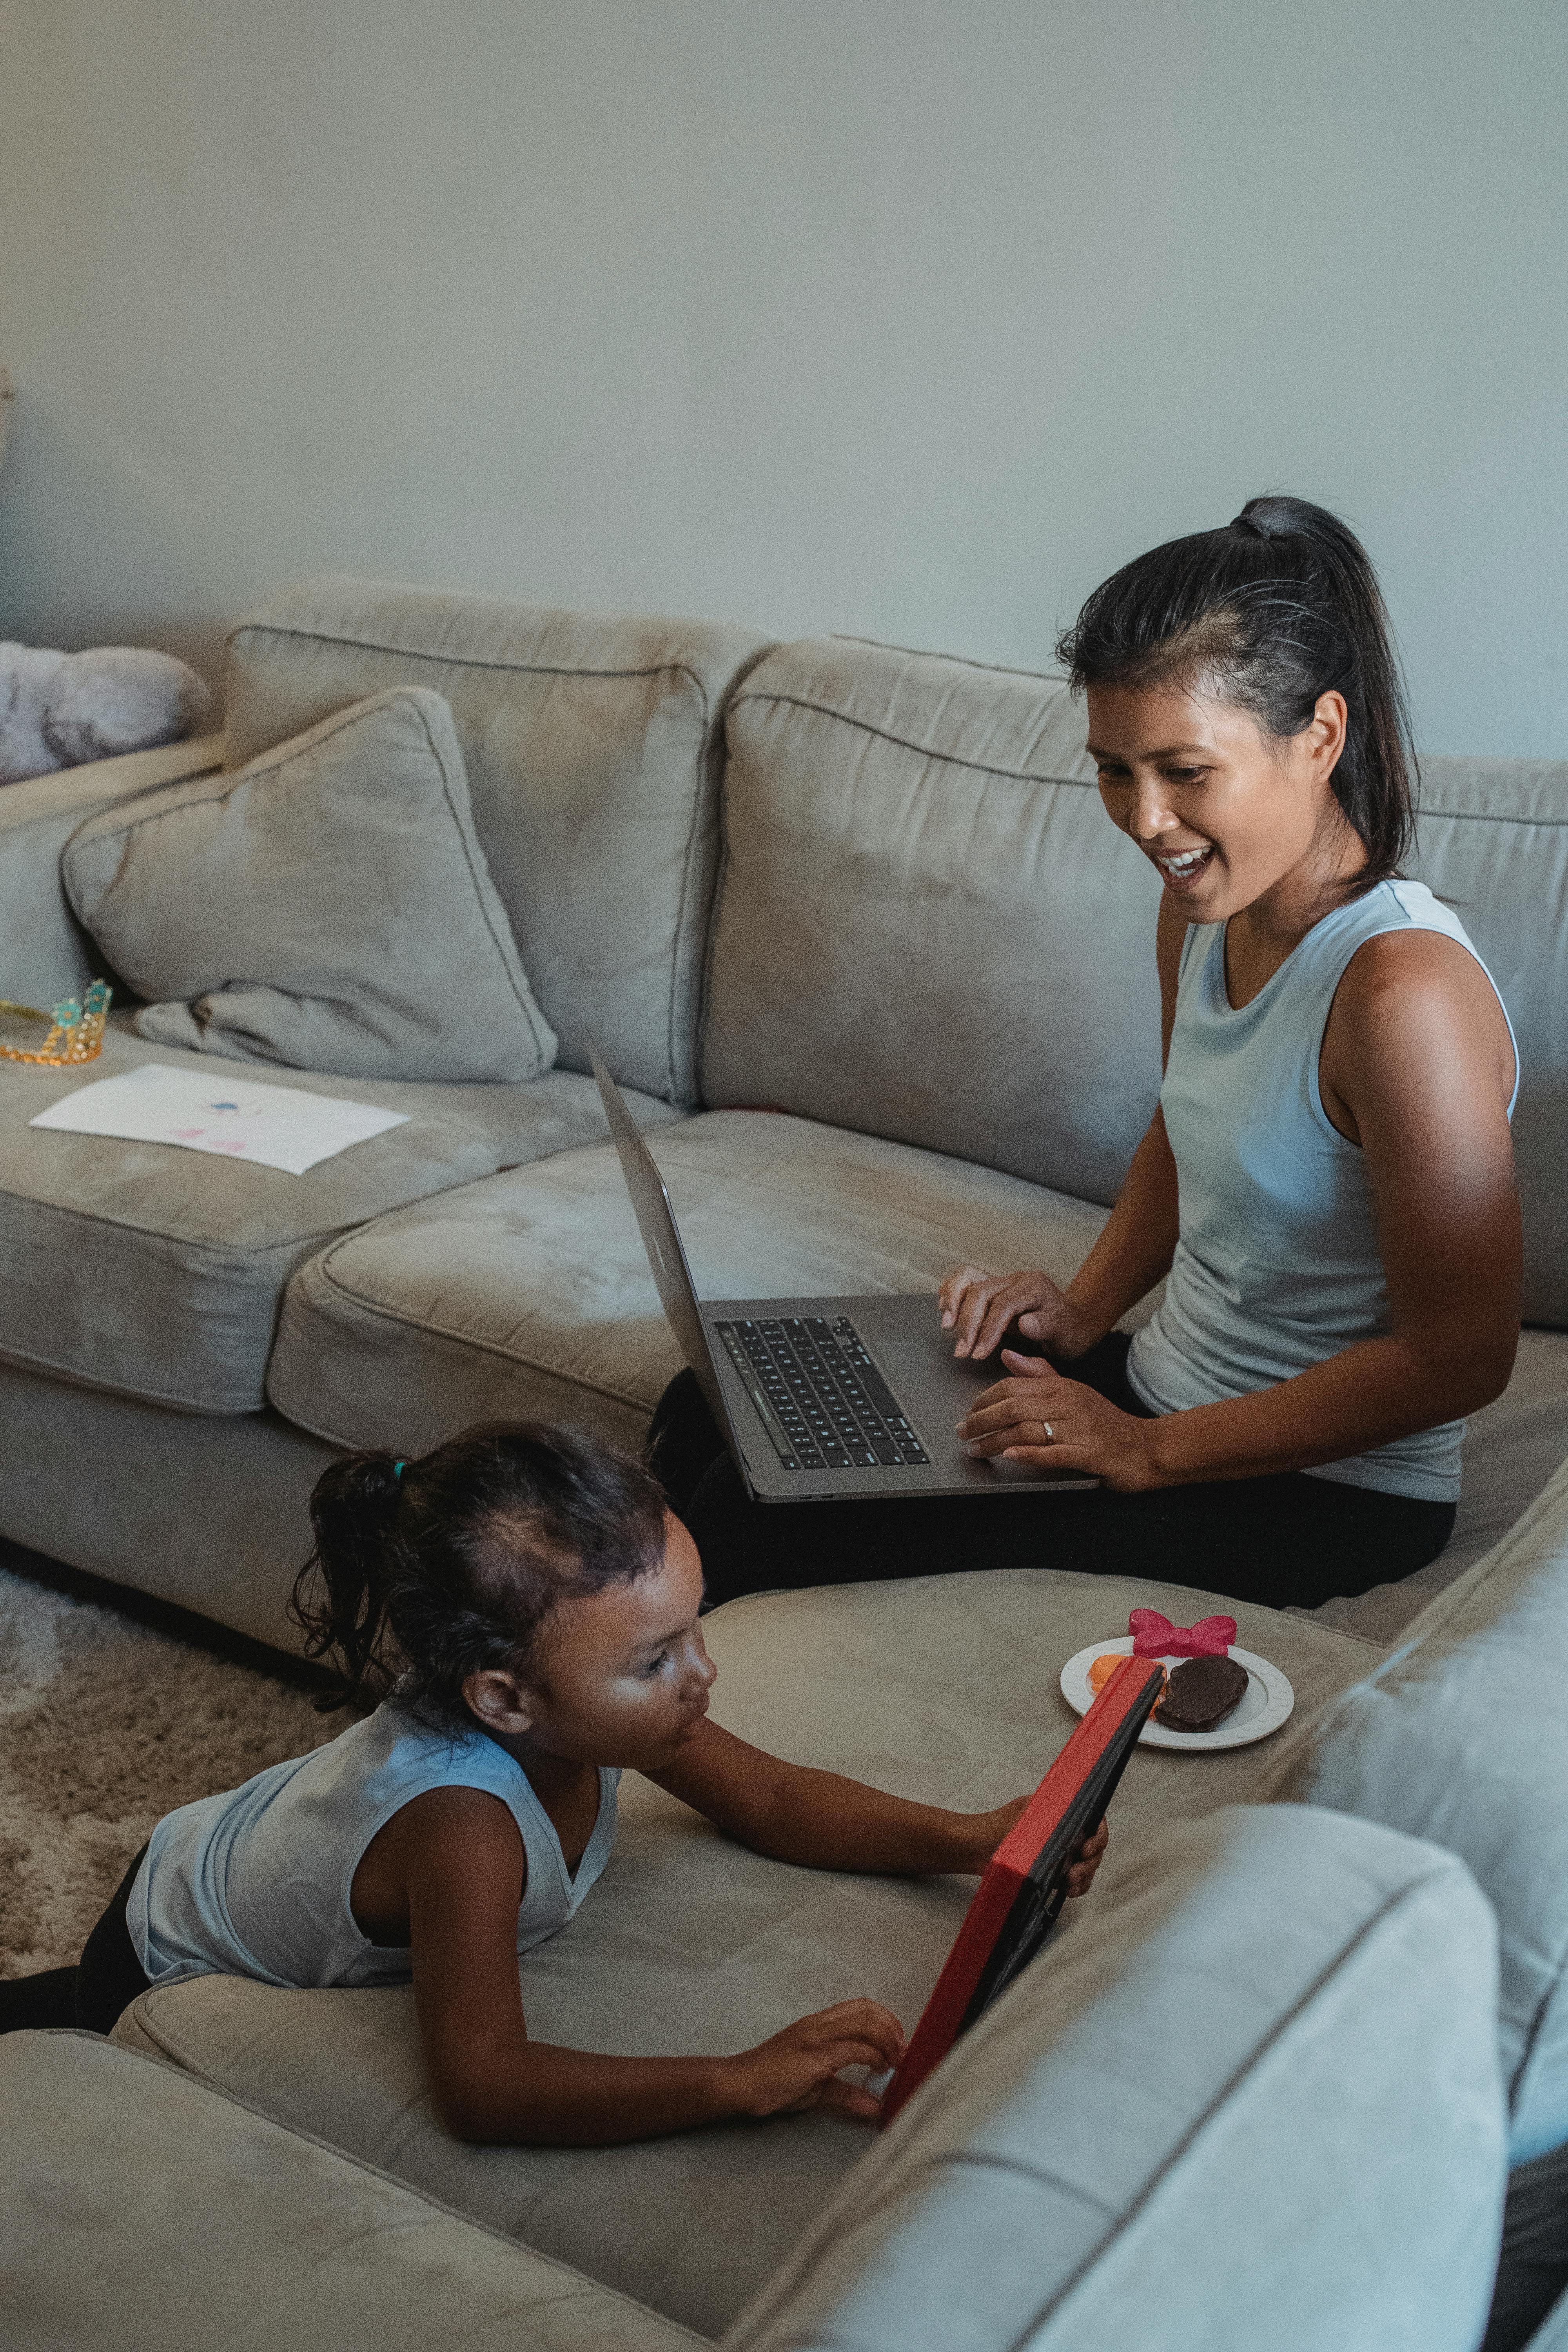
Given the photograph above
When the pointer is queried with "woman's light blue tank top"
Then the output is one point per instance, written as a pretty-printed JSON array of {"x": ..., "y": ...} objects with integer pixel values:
[
  {"x": 255, "y": 1883},
  {"x": 1278, "y": 1265}
]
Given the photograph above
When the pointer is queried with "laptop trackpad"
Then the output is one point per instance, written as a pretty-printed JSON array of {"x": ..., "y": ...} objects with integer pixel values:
[{"x": 937, "y": 1389}]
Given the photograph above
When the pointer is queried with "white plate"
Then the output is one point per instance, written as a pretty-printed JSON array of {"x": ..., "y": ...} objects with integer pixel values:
[{"x": 1269, "y": 1701}]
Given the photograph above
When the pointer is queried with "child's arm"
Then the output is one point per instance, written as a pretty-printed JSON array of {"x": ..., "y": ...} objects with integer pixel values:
[
  {"x": 457, "y": 1853},
  {"x": 794, "y": 1814}
]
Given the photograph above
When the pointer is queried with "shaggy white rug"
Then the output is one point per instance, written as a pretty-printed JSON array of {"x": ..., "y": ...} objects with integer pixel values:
[{"x": 106, "y": 1726}]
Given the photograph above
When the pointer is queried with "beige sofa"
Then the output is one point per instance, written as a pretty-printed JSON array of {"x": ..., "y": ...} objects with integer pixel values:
[{"x": 851, "y": 926}]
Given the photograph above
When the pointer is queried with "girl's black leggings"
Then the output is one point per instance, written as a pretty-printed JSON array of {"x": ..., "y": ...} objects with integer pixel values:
[
  {"x": 106, "y": 1979},
  {"x": 1283, "y": 1539}
]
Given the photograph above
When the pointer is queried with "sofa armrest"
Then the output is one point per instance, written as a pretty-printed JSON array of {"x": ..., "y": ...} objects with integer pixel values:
[{"x": 44, "y": 953}]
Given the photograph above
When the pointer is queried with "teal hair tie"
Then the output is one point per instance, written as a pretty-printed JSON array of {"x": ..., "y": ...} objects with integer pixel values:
[{"x": 398, "y": 1469}]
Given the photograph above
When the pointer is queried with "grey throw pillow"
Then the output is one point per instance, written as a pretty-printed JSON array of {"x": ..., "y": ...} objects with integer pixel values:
[{"x": 326, "y": 907}]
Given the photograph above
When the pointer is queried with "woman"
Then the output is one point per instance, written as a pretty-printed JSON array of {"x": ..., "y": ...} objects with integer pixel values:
[{"x": 1326, "y": 1179}]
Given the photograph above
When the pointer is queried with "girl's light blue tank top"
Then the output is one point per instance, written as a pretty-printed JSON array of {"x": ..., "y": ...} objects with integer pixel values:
[
  {"x": 1278, "y": 1265},
  {"x": 255, "y": 1883}
]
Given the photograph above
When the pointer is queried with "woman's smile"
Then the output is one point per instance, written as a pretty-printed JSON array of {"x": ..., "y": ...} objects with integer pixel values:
[{"x": 1179, "y": 869}]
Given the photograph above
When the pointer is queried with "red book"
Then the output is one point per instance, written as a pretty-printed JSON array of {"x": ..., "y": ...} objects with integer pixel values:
[{"x": 1017, "y": 1901}]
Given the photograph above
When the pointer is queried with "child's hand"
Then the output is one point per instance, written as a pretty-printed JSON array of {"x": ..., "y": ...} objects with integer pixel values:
[
  {"x": 799, "y": 2067},
  {"x": 1087, "y": 1857},
  {"x": 984, "y": 1832}
]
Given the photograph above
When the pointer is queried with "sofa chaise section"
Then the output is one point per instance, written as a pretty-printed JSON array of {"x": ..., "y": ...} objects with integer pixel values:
[
  {"x": 1179, "y": 2112},
  {"x": 946, "y": 1690}
]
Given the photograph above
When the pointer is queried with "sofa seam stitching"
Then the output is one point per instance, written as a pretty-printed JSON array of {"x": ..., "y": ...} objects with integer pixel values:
[
  {"x": 453, "y": 661},
  {"x": 24, "y": 1357},
  {"x": 1492, "y": 816},
  {"x": 923, "y": 751},
  {"x": 226, "y": 1250}
]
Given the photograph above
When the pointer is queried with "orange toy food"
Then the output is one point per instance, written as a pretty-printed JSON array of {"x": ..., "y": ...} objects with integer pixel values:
[{"x": 1103, "y": 1667}]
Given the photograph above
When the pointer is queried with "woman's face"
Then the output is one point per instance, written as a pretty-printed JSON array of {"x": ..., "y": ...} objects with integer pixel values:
[{"x": 1224, "y": 812}]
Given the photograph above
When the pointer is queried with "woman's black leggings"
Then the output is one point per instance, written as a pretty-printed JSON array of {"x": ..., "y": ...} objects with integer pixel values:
[
  {"x": 1287, "y": 1539},
  {"x": 106, "y": 1979}
]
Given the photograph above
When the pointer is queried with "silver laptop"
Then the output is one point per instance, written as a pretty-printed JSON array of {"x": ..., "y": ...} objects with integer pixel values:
[{"x": 847, "y": 1397}]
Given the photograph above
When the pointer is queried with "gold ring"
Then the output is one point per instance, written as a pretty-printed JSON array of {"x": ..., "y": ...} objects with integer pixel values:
[{"x": 1050, "y": 1432}]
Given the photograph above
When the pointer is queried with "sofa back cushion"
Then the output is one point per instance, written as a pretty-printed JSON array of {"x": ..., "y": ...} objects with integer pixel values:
[
  {"x": 1208, "y": 2117},
  {"x": 1460, "y": 1735},
  {"x": 1494, "y": 843},
  {"x": 326, "y": 907},
  {"x": 926, "y": 928},
  {"x": 592, "y": 743}
]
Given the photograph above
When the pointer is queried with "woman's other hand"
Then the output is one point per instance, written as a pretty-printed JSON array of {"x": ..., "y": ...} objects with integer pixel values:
[
  {"x": 982, "y": 1307},
  {"x": 1037, "y": 1418},
  {"x": 799, "y": 2067}
]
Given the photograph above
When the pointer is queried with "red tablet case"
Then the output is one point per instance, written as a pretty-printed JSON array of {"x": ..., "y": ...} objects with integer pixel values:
[{"x": 1080, "y": 1782}]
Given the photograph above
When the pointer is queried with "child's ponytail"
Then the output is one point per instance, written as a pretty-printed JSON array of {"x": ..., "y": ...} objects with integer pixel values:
[
  {"x": 340, "y": 1598},
  {"x": 427, "y": 1571}
]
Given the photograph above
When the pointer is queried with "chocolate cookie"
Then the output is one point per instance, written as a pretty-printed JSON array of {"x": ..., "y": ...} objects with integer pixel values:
[{"x": 1200, "y": 1693}]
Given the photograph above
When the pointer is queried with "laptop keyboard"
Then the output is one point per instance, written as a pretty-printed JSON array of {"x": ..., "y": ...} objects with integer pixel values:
[{"x": 821, "y": 1399}]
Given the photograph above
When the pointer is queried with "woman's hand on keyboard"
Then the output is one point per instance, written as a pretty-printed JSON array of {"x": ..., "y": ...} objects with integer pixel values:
[{"x": 981, "y": 1309}]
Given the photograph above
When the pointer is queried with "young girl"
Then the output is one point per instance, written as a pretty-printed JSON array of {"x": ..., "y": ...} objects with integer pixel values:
[
  {"x": 1326, "y": 1179},
  {"x": 527, "y": 1610}
]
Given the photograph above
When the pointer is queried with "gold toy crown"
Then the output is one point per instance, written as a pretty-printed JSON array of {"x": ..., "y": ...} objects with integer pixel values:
[{"x": 75, "y": 1029}]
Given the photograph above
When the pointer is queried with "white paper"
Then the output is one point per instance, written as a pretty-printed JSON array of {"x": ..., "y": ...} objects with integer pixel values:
[{"x": 277, "y": 1127}]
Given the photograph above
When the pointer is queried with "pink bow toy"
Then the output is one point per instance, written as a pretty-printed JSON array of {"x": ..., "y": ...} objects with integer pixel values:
[{"x": 1154, "y": 1636}]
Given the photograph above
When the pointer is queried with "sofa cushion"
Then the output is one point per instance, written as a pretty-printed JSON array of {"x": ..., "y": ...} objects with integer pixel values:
[
  {"x": 926, "y": 927},
  {"x": 1210, "y": 2122},
  {"x": 1494, "y": 843},
  {"x": 1512, "y": 1446},
  {"x": 158, "y": 1272},
  {"x": 1461, "y": 1736},
  {"x": 592, "y": 742},
  {"x": 531, "y": 1293},
  {"x": 139, "y": 2208},
  {"x": 946, "y": 1690},
  {"x": 326, "y": 907}
]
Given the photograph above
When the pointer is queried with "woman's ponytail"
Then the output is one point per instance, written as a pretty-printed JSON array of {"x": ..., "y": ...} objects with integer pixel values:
[
  {"x": 342, "y": 1594},
  {"x": 1279, "y": 606}
]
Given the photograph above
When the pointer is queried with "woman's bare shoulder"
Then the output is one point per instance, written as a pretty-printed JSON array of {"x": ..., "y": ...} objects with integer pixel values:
[{"x": 1418, "y": 992}]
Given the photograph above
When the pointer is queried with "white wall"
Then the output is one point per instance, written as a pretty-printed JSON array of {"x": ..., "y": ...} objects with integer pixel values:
[{"x": 909, "y": 317}]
